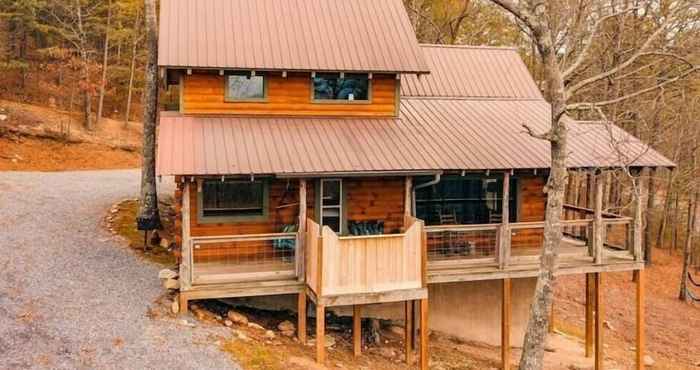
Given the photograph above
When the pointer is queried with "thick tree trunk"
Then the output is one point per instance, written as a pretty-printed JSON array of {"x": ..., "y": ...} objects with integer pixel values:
[
  {"x": 134, "y": 49},
  {"x": 538, "y": 323},
  {"x": 105, "y": 59},
  {"x": 687, "y": 251},
  {"x": 149, "y": 217},
  {"x": 87, "y": 95}
]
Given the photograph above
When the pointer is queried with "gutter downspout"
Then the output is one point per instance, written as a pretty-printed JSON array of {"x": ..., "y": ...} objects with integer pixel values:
[{"x": 432, "y": 182}]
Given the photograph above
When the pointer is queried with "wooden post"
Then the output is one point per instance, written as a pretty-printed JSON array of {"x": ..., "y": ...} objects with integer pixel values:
[
  {"x": 637, "y": 226},
  {"x": 356, "y": 330},
  {"x": 590, "y": 301},
  {"x": 640, "y": 319},
  {"x": 183, "y": 303},
  {"x": 598, "y": 226},
  {"x": 301, "y": 234},
  {"x": 320, "y": 334},
  {"x": 599, "y": 356},
  {"x": 424, "y": 334},
  {"x": 408, "y": 331},
  {"x": 301, "y": 320},
  {"x": 504, "y": 237},
  {"x": 505, "y": 323},
  {"x": 408, "y": 198}
]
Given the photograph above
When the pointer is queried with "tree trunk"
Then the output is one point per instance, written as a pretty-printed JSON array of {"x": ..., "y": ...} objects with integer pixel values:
[
  {"x": 149, "y": 217},
  {"x": 105, "y": 58},
  {"x": 134, "y": 47},
  {"x": 538, "y": 323},
  {"x": 687, "y": 251},
  {"x": 674, "y": 225},
  {"x": 663, "y": 221},
  {"x": 651, "y": 199},
  {"x": 87, "y": 96}
]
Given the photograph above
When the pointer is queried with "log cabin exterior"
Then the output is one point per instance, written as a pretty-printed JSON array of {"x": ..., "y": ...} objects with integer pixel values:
[{"x": 362, "y": 170}]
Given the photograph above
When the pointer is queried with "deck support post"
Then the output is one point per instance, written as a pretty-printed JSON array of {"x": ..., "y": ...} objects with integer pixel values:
[
  {"x": 357, "y": 330},
  {"x": 598, "y": 226},
  {"x": 506, "y": 310},
  {"x": 504, "y": 236},
  {"x": 424, "y": 334},
  {"x": 408, "y": 201},
  {"x": 301, "y": 320},
  {"x": 320, "y": 334},
  {"x": 638, "y": 219},
  {"x": 599, "y": 357},
  {"x": 590, "y": 301},
  {"x": 639, "y": 274},
  {"x": 408, "y": 331},
  {"x": 183, "y": 301},
  {"x": 301, "y": 233}
]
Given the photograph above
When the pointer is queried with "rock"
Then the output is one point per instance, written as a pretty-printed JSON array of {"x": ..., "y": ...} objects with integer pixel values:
[
  {"x": 228, "y": 323},
  {"x": 549, "y": 348},
  {"x": 253, "y": 325},
  {"x": 164, "y": 243},
  {"x": 175, "y": 306},
  {"x": 167, "y": 274},
  {"x": 171, "y": 284},
  {"x": 241, "y": 335},
  {"x": 287, "y": 328},
  {"x": 237, "y": 318},
  {"x": 269, "y": 334},
  {"x": 649, "y": 361}
]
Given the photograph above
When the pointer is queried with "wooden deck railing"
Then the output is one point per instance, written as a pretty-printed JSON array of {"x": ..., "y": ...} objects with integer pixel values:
[
  {"x": 341, "y": 265},
  {"x": 236, "y": 258}
]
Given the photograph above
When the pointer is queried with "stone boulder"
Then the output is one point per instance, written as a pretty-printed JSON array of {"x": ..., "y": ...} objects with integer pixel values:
[{"x": 237, "y": 317}]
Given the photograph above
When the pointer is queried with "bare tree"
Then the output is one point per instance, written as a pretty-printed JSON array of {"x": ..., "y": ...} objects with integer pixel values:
[
  {"x": 105, "y": 60},
  {"x": 563, "y": 60},
  {"x": 148, "y": 216},
  {"x": 132, "y": 69}
]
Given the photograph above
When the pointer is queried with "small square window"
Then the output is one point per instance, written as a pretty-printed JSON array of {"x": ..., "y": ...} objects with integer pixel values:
[
  {"x": 241, "y": 87},
  {"x": 351, "y": 87}
]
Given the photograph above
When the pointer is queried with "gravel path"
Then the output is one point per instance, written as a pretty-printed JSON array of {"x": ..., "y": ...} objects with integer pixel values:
[{"x": 72, "y": 296}]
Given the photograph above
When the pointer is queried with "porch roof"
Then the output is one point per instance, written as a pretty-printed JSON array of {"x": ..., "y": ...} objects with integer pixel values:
[{"x": 429, "y": 135}]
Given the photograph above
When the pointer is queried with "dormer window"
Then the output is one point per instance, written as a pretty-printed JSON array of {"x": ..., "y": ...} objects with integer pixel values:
[
  {"x": 338, "y": 87},
  {"x": 245, "y": 87}
]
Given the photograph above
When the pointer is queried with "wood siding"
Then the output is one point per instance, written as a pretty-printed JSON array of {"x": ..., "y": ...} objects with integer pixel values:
[
  {"x": 531, "y": 208},
  {"x": 376, "y": 199},
  {"x": 203, "y": 93}
]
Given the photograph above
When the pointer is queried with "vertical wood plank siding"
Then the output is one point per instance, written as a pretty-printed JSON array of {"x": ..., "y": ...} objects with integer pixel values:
[
  {"x": 372, "y": 199},
  {"x": 531, "y": 208},
  {"x": 203, "y": 93}
]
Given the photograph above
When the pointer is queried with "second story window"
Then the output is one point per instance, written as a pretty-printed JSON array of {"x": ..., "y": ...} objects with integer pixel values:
[
  {"x": 337, "y": 87},
  {"x": 244, "y": 87}
]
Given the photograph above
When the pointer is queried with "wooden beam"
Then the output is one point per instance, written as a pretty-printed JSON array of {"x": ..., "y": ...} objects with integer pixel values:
[
  {"x": 301, "y": 320},
  {"x": 506, "y": 309},
  {"x": 504, "y": 239},
  {"x": 590, "y": 329},
  {"x": 301, "y": 234},
  {"x": 638, "y": 219},
  {"x": 599, "y": 356},
  {"x": 408, "y": 331},
  {"x": 183, "y": 300},
  {"x": 598, "y": 226},
  {"x": 408, "y": 200},
  {"x": 641, "y": 345},
  {"x": 357, "y": 330},
  {"x": 424, "y": 334},
  {"x": 320, "y": 334}
]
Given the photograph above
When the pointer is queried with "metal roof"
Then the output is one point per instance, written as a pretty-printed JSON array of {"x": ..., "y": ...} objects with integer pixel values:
[
  {"x": 294, "y": 35},
  {"x": 472, "y": 71},
  {"x": 429, "y": 135}
]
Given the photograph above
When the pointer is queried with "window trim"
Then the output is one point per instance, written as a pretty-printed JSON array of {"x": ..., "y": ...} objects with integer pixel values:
[
  {"x": 202, "y": 219},
  {"x": 368, "y": 101},
  {"x": 340, "y": 206},
  {"x": 229, "y": 99}
]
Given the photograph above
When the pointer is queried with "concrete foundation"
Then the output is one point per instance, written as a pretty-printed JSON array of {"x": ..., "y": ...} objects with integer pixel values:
[{"x": 467, "y": 310}]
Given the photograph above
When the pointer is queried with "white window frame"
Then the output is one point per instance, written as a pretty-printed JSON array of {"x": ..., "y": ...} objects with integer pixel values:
[{"x": 339, "y": 206}]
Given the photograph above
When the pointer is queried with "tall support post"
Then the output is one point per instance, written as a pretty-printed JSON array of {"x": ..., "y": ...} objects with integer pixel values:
[
  {"x": 320, "y": 334},
  {"x": 598, "y": 226},
  {"x": 301, "y": 234},
  {"x": 599, "y": 357},
  {"x": 590, "y": 301},
  {"x": 408, "y": 201},
  {"x": 641, "y": 344},
  {"x": 504, "y": 237},
  {"x": 356, "y": 330},
  {"x": 506, "y": 310},
  {"x": 408, "y": 331},
  {"x": 424, "y": 334},
  {"x": 637, "y": 225},
  {"x": 301, "y": 319}
]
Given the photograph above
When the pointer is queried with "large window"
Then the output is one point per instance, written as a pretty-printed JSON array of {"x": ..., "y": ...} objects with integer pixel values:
[
  {"x": 244, "y": 87},
  {"x": 464, "y": 200},
  {"x": 233, "y": 199},
  {"x": 337, "y": 87},
  {"x": 331, "y": 204}
]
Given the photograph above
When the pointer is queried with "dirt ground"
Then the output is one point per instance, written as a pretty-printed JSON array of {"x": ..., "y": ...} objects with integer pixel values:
[
  {"x": 35, "y": 138},
  {"x": 672, "y": 326}
]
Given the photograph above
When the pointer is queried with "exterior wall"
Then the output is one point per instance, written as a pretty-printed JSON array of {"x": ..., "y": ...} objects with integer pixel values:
[
  {"x": 203, "y": 93},
  {"x": 531, "y": 208},
  {"x": 380, "y": 198}
]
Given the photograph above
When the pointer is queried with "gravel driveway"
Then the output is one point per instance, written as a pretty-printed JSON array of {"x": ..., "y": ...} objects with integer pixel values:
[{"x": 71, "y": 295}]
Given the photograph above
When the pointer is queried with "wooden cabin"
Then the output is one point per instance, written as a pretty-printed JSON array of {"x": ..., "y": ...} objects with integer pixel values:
[{"x": 361, "y": 168}]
